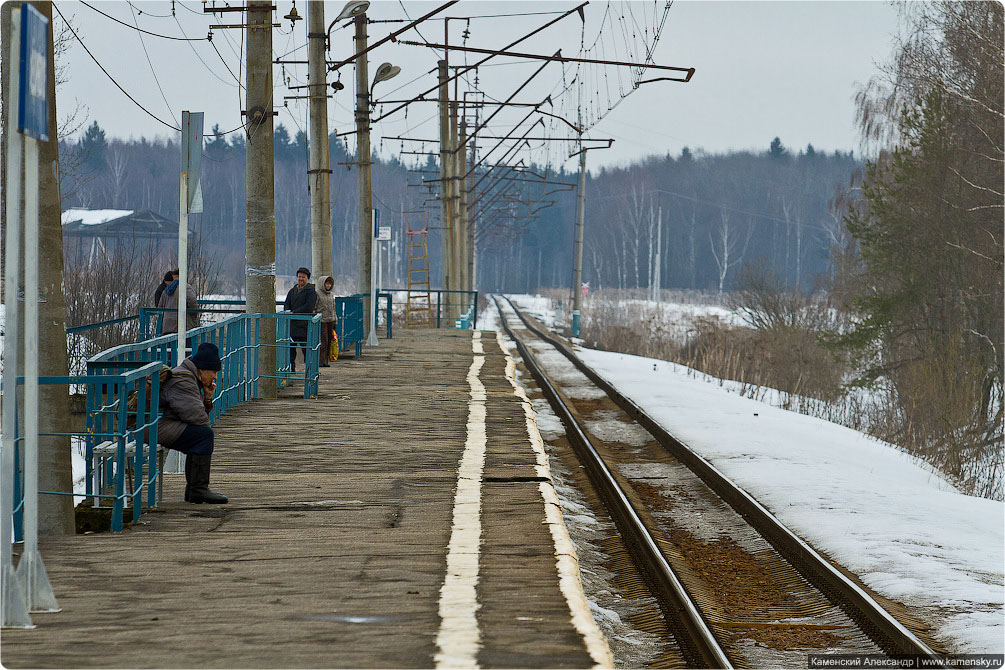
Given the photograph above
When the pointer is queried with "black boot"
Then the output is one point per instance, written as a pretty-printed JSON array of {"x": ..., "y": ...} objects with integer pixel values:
[
  {"x": 188, "y": 479},
  {"x": 199, "y": 492}
]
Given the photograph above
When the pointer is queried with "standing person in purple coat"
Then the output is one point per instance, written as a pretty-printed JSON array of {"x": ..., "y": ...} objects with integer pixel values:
[{"x": 186, "y": 399}]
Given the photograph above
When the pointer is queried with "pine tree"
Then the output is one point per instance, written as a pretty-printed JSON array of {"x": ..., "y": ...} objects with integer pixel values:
[
  {"x": 94, "y": 148},
  {"x": 929, "y": 281},
  {"x": 776, "y": 150}
]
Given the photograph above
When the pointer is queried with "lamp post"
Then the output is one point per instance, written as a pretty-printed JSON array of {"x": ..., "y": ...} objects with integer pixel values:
[{"x": 366, "y": 229}]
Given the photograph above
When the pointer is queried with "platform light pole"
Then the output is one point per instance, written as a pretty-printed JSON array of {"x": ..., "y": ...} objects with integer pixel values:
[
  {"x": 365, "y": 209},
  {"x": 260, "y": 244},
  {"x": 577, "y": 273},
  {"x": 320, "y": 167}
]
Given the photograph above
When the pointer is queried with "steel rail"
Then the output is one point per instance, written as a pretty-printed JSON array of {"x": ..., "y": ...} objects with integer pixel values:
[
  {"x": 653, "y": 563},
  {"x": 894, "y": 637}
]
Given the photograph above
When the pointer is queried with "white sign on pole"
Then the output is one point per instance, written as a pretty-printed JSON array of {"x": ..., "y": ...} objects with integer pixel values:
[{"x": 383, "y": 233}]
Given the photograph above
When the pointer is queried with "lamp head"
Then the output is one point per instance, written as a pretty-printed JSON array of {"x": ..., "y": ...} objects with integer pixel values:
[
  {"x": 352, "y": 9},
  {"x": 384, "y": 72}
]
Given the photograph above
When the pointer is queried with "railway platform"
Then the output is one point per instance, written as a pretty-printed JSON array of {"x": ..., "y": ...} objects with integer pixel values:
[{"x": 404, "y": 518}]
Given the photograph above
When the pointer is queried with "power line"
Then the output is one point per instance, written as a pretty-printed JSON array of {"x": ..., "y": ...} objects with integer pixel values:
[
  {"x": 156, "y": 16},
  {"x": 117, "y": 85},
  {"x": 166, "y": 37},
  {"x": 152, "y": 71},
  {"x": 124, "y": 91},
  {"x": 205, "y": 64}
]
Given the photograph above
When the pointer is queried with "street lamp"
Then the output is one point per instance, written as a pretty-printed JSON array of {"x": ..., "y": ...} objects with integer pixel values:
[
  {"x": 352, "y": 9},
  {"x": 386, "y": 71}
]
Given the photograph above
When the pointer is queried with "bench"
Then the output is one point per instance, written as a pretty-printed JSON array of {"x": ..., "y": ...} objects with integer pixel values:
[{"x": 168, "y": 461}]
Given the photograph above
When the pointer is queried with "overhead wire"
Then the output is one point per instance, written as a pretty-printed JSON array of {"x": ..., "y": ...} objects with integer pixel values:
[
  {"x": 166, "y": 37},
  {"x": 156, "y": 16},
  {"x": 152, "y": 70},
  {"x": 110, "y": 77},
  {"x": 205, "y": 64}
]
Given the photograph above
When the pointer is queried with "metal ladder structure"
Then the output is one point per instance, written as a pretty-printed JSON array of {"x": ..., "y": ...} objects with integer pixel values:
[{"x": 419, "y": 302}]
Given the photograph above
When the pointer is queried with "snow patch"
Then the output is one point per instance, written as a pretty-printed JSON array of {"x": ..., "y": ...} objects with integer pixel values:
[{"x": 93, "y": 217}]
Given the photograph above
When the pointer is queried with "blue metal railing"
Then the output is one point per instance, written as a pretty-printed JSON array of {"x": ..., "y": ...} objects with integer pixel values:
[
  {"x": 120, "y": 425},
  {"x": 350, "y": 324},
  {"x": 123, "y": 391},
  {"x": 385, "y": 304},
  {"x": 238, "y": 339},
  {"x": 466, "y": 298}
]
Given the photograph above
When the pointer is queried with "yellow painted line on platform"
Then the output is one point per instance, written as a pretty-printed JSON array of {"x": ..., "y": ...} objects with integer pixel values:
[
  {"x": 458, "y": 639},
  {"x": 566, "y": 557}
]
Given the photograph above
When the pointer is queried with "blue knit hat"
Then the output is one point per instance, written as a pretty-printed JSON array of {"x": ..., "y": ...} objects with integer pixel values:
[{"x": 207, "y": 357}]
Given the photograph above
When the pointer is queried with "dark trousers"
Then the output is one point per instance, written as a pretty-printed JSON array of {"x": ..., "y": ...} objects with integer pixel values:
[
  {"x": 195, "y": 440},
  {"x": 298, "y": 342},
  {"x": 327, "y": 328}
]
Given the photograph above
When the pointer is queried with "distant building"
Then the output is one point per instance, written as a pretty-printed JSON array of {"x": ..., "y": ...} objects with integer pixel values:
[{"x": 98, "y": 230}]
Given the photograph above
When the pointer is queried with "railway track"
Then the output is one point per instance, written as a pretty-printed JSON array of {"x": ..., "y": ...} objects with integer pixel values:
[{"x": 735, "y": 586}]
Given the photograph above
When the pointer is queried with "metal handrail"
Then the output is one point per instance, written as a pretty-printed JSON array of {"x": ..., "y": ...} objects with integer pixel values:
[{"x": 141, "y": 432}]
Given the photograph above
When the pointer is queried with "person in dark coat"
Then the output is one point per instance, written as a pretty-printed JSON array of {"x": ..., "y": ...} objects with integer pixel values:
[
  {"x": 169, "y": 301},
  {"x": 300, "y": 300},
  {"x": 186, "y": 399},
  {"x": 168, "y": 278}
]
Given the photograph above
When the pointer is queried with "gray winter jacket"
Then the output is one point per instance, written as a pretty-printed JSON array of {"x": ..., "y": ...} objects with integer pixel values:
[
  {"x": 325, "y": 305},
  {"x": 171, "y": 302},
  {"x": 182, "y": 404}
]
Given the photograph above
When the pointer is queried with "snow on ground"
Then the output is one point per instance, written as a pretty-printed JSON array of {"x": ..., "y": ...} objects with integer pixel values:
[
  {"x": 538, "y": 306},
  {"x": 882, "y": 514},
  {"x": 663, "y": 319}
]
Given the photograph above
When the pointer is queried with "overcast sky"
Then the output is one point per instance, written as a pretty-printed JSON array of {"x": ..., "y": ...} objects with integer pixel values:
[{"x": 763, "y": 69}]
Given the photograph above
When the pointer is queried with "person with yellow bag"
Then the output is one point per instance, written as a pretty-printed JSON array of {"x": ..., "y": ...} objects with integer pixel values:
[{"x": 326, "y": 308}]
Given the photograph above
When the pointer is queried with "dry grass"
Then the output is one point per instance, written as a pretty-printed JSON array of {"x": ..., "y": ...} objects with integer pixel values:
[{"x": 929, "y": 410}]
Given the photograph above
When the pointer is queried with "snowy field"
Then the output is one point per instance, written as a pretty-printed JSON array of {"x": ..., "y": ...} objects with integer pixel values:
[{"x": 884, "y": 515}]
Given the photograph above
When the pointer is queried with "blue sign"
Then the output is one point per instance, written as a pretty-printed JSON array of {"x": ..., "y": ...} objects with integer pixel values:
[
  {"x": 376, "y": 222},
  {"x": 33, "y": 89}
]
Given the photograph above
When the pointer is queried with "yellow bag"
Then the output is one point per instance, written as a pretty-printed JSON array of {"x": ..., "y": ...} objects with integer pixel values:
[{"x": 333, "y": 347}]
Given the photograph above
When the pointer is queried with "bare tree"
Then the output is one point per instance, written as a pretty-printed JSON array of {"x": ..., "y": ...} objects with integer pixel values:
[
  {"x": 727, "y": 238},
  {"x": 118, "y": 165}
]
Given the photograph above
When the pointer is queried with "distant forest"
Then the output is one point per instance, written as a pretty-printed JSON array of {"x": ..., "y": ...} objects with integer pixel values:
[{"x": 699, "y": 217}]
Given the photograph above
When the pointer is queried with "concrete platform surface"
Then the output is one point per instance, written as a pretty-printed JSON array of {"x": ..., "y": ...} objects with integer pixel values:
[{"x": 345, "y": 513}]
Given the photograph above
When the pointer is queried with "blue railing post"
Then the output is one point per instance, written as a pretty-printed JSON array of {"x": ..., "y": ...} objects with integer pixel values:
[
  {"x": 151, "y": 418},
  {"x": 139, "y": 452},
  {"x": 313, "y": 356},
  {"x": 120, "y": 461},
  {"x": 258, "y": 344}
]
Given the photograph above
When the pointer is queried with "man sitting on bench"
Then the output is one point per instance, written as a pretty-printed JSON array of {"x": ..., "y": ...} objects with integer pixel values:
[{"x": 186, "y": 399}]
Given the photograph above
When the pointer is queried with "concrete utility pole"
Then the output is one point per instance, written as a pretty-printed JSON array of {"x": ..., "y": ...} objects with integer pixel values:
[
  {"x": 446, "y": 229},
  {"x": 365, "y": 207},
  {"x": 260, "y": 254},
  {"x": 457, "y": 236},
  {"x": 472, "y": 251},
  {"x": 577, "y": 273},
  {"x": 320, "y": 168},
  {"x": 461, "y": 164},
  {"x": 55, "y": 513}
]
